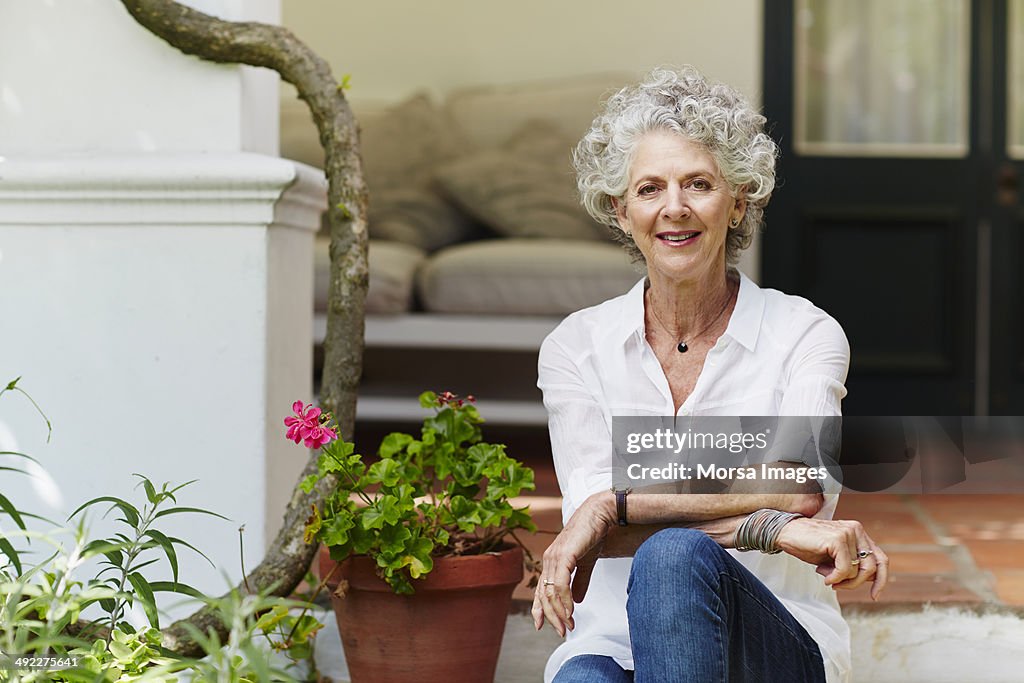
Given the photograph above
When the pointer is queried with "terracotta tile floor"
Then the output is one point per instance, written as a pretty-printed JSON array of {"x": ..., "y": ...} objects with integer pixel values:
[{"x": 948, "y": 548}]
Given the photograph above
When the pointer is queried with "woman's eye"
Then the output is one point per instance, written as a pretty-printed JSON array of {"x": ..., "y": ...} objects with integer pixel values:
[
  {"x": 646, "y": 190},
  {"x": 700, "y": 185}
]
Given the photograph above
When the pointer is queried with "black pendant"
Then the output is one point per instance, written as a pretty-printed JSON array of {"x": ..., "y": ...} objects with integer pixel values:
[{"x": 682, "y": 348}]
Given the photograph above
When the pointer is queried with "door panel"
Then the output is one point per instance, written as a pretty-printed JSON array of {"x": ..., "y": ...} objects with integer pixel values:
[
  {"x": 1005, "y": 209},
  {"x": 881, "y": 77},
  {"x": 875, "y": 215}
]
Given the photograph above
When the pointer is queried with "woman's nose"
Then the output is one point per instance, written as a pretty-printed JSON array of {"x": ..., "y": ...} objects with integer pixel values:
[{"x": 677, "y": 204}]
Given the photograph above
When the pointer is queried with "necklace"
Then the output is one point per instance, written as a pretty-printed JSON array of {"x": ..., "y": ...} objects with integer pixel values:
[{"x": 683, "y": 347}]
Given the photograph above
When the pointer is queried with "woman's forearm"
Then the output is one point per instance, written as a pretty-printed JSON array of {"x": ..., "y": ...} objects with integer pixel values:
[
  {"x": 716, "y": 514},
  {"x": 623, "y": 541}
]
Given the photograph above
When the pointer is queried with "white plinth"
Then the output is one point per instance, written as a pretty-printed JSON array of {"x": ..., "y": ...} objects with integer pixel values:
[{"x": 159, "y": 308}]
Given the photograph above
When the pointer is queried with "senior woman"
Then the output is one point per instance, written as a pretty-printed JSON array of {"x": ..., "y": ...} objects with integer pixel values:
[{"x": 683, "y": 170}]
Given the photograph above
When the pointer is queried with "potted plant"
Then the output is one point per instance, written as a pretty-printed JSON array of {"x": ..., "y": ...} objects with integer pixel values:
[{"x": 420, "y": 552}]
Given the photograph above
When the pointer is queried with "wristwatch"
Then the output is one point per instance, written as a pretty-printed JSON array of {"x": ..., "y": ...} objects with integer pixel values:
[{"x": 620, "y": 504}]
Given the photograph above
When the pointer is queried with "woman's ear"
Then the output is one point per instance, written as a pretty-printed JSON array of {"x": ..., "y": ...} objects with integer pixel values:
[
  {"x": 739, "y": 209},
  {"x": 619, "y": 204}
]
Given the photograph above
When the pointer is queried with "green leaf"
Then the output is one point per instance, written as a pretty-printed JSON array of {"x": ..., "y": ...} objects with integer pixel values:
[
  {"x": 8, "y": 507},
  {"x": 168, "y": 547},
  {"x": 7, "y": 549},
  {"x": 305, "y": 626},
  {"x": 151, "y": 494},
  {"x": 362, "y": 541},
  {"x": 176, "y": 510},
  {"x": 386, "y": 472},
  {"x": 170, "y": 493},
  {"x": 385, "y": 510},
  {"x": 393, "y": 538},
  {"x": 419, "y": 560},
  {"x": 272, "y": 618},
  {"x": 21, "y": 455},
  {"x": 309, "y": 483},
  {"x": 175, "y": 587},
  {"x": 131, "y": 515},
  {"x": 109, "y": 549},
  {"x": 337, "y": 530},
  {"x": 465, "y": 513},
  {"x": 428, "y": 399},
  {"x": 394, "y": 443},
  {"x": 145, "y": 594},
  {"x": 521, "y": 519}
]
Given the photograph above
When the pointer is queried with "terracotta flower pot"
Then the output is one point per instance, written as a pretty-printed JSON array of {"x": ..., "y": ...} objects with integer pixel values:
[{"x": 449, "y": 630}]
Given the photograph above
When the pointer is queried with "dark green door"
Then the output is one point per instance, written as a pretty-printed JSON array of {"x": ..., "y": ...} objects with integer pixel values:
[{"x": 897, "y": 209}]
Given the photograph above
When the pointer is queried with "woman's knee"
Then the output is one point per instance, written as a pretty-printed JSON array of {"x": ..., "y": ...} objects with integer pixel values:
[
  {"x": 592, "y": 669},
  {"x": 672, "y": 554},
  {"x": 672, "y": 547}
]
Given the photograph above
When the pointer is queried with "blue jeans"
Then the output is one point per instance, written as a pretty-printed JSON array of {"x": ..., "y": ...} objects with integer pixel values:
[{"x": 696, "y": 614}]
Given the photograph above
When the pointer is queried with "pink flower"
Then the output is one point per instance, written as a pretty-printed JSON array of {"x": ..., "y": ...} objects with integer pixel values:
[
  {"x": 308, "y": 418},
  {"x": 319, "y": 436}
]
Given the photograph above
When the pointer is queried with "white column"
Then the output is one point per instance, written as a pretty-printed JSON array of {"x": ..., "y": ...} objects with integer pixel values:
[
  {"x": 159, "y": 309},
  {"x": 81, "y": 76},
  {"x": 155, "y": 273}
]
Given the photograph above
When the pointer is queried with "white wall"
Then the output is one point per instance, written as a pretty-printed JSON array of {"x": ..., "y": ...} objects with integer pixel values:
[{"x": 393, "y": 48}]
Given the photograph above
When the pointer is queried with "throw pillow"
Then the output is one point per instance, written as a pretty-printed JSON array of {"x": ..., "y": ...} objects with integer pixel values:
[
  {"x": 417, "y": 217},
  {"x": 525, "y": 189}
]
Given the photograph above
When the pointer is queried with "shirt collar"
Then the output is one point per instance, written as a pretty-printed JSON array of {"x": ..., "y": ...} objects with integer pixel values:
[{"x": 744, "y": 325}]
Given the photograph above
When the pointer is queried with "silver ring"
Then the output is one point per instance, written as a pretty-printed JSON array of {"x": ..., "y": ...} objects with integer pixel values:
[
  {"x": 854, "y": 562},
  {"x": 864, "y": 553},
  {"x": 549, "y": 582}
]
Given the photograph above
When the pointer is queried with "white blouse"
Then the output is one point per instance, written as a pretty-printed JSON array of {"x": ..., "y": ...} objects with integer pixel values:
[{"x": 780, "y": 355}]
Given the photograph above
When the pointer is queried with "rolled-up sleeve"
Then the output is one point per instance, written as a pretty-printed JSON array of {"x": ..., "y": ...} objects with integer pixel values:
[
  {"x": 581, "y": 443},
  {"x": 816, "y": 387},
  {"x": 817, "y": 371}
]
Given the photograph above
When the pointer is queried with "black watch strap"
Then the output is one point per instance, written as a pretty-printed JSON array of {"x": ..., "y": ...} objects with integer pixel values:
[{"x": 620, "y": 505}]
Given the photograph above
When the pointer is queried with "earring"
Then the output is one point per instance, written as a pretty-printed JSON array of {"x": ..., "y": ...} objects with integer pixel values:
[
  {"x": 629, "y": 233},
  {"x": 734, "y": 222}
]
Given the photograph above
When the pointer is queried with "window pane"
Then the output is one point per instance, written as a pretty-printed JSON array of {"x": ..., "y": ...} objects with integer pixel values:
[
  {"x": 1015, "y": 75},
  {"x": 882, "y": 77}
]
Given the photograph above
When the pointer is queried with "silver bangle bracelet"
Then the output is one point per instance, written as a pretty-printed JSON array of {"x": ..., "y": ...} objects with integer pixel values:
[{"x": 760, "y": 530}]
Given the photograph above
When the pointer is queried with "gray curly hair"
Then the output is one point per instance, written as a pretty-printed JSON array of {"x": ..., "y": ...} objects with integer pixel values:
[{"x": 714, "y": 115}]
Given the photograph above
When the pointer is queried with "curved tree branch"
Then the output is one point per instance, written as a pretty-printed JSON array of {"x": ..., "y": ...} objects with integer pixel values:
[{"x": 276, "y": 48}]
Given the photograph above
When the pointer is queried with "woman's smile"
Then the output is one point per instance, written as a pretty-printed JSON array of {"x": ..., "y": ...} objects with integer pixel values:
[{"x": 678, "y": 240}]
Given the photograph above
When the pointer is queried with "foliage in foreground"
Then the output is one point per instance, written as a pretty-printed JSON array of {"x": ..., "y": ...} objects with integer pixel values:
[{"x": 49, "y": 579}]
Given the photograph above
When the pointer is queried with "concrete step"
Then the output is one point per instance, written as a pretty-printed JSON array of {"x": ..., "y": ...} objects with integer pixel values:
[{"x": 929, "y": 644}]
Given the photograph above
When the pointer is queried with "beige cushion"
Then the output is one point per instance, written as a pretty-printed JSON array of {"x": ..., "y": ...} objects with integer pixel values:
[
  {"x": 524, "y": 276},
  {"x": 486, "y": 116},
  {"x": 418, "y": 217},
  {"x": 392, "y": 275},
  {"x": 525, "y": 189},
  {"x": 402, "y": 145}
]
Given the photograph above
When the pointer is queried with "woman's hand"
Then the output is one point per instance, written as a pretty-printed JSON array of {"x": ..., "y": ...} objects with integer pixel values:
[
  {"x": 576, "y": 547},
  {"x": 842, "y": 550}
]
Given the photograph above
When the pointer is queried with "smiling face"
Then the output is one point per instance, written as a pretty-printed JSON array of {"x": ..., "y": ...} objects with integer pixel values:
[{"x": 678, "y": 208}]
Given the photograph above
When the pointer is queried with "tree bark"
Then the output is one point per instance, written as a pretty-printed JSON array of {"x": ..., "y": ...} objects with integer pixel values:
[{"x": 276, "y": 48}]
